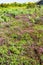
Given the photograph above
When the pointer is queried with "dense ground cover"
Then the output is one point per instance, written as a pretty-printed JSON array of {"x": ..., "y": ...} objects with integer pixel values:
[{"x": 21, "y": 36}]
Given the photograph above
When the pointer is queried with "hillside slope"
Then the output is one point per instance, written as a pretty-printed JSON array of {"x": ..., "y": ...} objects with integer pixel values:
[{"x": 21, "y": 36}]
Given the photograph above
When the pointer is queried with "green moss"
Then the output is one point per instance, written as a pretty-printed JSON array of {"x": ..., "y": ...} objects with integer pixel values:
[
  {"x": 27, "y": 37},
  {"x": 41, "y": 57},
  {"x": 3, "y": 49},
  {"x": 14, "y": 50},
  {"x": 38, "y": 27}
]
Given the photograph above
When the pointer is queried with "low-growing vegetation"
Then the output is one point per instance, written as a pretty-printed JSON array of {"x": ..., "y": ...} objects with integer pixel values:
[{"x": 21, "y": 34}]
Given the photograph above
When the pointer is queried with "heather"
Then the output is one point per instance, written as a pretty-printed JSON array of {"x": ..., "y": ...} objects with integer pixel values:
[{"x": 21, "y": 34}]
